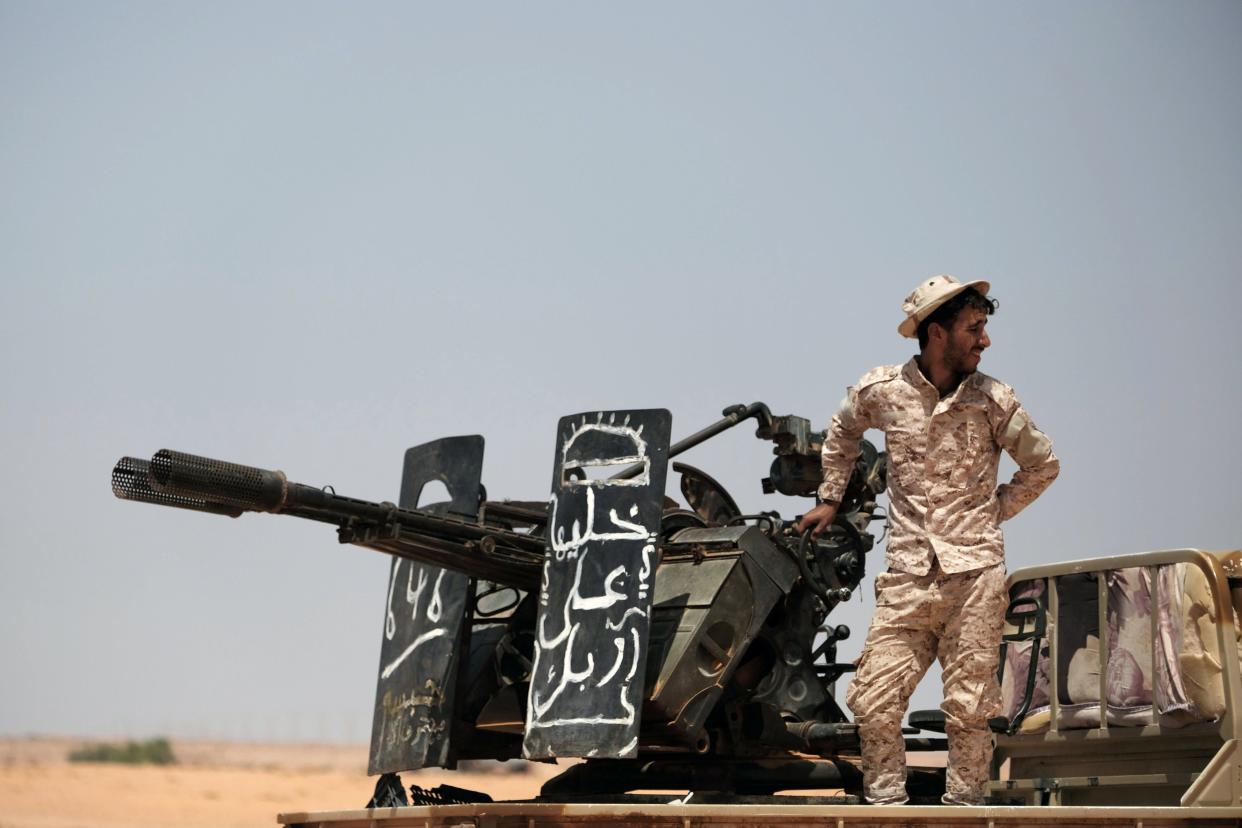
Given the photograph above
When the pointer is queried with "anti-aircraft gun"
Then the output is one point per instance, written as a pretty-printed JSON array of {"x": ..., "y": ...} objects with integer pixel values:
[{"x": 671, "y": 648}]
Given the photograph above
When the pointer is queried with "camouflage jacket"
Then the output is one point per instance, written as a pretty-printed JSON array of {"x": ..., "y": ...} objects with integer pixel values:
[{"x": 942, "y": 460}]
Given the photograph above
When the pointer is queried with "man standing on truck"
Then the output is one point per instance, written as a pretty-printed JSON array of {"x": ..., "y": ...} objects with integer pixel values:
[{"x": 943, "y": 595}]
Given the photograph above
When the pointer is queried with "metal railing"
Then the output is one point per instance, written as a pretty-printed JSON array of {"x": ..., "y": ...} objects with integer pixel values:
[
  {"x": 1219, "y": 569},
  {"x": 1215, "y": 566}
]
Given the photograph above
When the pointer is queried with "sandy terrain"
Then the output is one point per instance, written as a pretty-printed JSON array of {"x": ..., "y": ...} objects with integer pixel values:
[{"x": 214, "y": 784}]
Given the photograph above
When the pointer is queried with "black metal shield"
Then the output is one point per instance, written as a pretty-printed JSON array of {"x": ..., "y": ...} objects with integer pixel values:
[
  {"x": 595, "y": 602},
  {"x": 419, "y": 657}
]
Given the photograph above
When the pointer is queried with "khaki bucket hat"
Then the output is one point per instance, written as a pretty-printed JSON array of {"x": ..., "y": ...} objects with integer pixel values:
[{"x": 929, "y": 295}]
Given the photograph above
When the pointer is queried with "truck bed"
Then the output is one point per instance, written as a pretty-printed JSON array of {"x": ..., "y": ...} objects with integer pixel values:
[{"x": 543, "y": 815}]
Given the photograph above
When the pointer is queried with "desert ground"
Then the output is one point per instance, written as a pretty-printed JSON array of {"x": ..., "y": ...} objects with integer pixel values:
[{"x": 217, "y": 784}]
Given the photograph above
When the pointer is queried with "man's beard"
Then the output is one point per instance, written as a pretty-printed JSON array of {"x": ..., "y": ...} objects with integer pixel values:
[{"x": 959, "y": 360}]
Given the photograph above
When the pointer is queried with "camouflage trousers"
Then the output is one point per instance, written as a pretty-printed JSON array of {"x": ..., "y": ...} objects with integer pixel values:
[{"x": 957, "y": 618}]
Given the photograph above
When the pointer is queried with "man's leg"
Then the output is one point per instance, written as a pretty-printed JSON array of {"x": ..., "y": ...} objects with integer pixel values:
[
  {"x": 898, "y": 650},
  {"x": 975, "y": 602}
]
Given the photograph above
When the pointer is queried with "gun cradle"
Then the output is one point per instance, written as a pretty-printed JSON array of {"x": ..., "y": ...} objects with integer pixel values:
[
  {"x": 714, "y": 590},
  {"x": 732, "y": 630}
]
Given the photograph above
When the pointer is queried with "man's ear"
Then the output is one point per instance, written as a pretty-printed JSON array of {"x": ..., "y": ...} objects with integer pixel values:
[{"x": 937, "y": 332}]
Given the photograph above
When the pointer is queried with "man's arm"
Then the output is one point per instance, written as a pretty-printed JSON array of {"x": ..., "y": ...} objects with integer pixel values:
[
  {"x": 837, "y": 458},
  {"x": 1032, "y": 451}
]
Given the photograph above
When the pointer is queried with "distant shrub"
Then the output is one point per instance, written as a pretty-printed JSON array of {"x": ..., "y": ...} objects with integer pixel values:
[{"x": 150, "y": 752}]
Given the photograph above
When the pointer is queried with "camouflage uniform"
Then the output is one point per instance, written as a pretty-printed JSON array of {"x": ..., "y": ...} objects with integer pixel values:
[{"x": 944, "y": 594}]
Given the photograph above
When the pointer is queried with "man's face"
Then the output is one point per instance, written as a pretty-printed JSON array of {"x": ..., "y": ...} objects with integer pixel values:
[{"x": 967, "y": 340}]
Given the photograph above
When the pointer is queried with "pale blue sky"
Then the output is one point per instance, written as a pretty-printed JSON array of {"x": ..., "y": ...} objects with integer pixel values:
[{"x": 309, "y": 235}]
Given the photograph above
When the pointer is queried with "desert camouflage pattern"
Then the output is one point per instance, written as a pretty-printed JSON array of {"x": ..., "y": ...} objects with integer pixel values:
[
  {"x": 943, "y": 455},
  {"x": 957, "y": 618}
]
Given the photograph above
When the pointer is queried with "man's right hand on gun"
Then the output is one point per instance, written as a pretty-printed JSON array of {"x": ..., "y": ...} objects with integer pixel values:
[{"x": 818, "y": 519}]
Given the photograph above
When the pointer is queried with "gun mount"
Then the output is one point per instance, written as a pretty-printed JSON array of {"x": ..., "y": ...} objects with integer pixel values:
[{"x": 610, "y": 622}]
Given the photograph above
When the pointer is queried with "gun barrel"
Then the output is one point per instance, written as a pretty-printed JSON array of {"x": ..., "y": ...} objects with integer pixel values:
[
  {"x": 131, "y": 480},
  {"x": 246, "y": 487},
  {"x": 484, "y": 560},
  {"x": 188, "y": 481}
]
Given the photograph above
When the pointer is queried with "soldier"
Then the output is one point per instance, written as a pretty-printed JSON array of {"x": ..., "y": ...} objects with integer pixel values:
[{"x": 943, "y": 595}]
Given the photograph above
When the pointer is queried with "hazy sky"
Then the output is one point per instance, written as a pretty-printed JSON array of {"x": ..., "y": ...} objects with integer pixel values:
[{"x": 307, "y": 236}]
